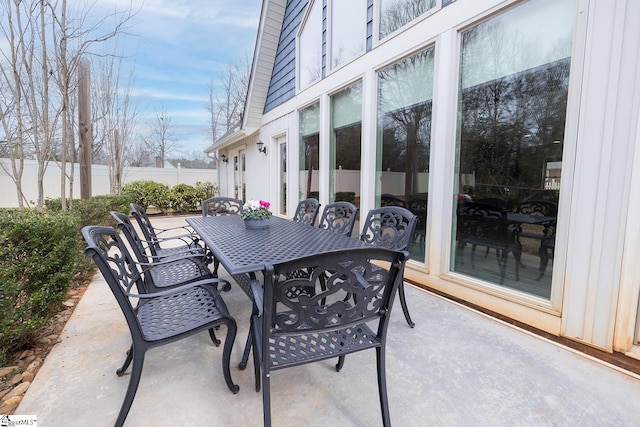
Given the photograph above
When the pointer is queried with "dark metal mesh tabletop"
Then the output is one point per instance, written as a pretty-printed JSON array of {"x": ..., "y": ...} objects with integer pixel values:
[{"x": 241, "y": 250}]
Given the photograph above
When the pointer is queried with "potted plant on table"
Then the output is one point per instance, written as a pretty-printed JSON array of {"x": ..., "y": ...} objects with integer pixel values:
[{"x": 256, "y": 214}]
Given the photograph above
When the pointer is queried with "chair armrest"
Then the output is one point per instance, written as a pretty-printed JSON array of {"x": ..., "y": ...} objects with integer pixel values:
[
  {"x": 194, "y": 258},
  {"x": 258, "y": 295},
  {"x": 179, "y": 255},
  {"x": 177, "y": 290},
  {"x": 186, "y": 228}
]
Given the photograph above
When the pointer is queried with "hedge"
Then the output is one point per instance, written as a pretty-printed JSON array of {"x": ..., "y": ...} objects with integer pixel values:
[{"x": 38, "y": 258}]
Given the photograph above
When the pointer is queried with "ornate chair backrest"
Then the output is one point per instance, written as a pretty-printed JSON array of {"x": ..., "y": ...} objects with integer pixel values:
[
  {"x": 125, "y": 226},
  {"x": 307, "y": 211},
  {"x": 355, "y": 291},
  {"x": 144, "y": 222},
  {"x": 538, "y": 207},
  {"x": 390, "y": 227},
  {"x": 221, "y": 206},
  {"x": 118, "y": 268},
  {"x": 339, "y": 217}
]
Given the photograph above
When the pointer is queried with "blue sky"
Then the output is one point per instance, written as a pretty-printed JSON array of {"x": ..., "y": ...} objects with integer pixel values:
[{"x": 177, "y": 47}]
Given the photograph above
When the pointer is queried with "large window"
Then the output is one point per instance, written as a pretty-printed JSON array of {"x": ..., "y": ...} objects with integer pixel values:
[
  {"x": 346, "y": 136},
  {"x": 282, "y": 169},
  {"x": 309, "y": 151},
  {"x": 348, "y": 30},
  {"x": 405, "y": 93},
  {"x": 310, "y": 46},
  {"x": 514, "y": 77},
  {"x": 397, "y": 13}
]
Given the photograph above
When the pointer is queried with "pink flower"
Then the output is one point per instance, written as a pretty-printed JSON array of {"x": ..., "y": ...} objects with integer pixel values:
[{"x": 265, "y": 204}]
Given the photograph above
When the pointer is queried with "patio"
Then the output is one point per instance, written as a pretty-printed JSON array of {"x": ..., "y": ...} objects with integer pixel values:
[{"x": 457, "y": 367}]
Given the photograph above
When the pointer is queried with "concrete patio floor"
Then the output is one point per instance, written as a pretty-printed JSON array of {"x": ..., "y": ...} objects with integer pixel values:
[{"x": 457, "y": 367}]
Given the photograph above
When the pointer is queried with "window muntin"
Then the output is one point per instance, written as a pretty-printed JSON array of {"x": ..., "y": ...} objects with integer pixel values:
[
  {"x": 397, "y": 13},
  {"x": 348, "y": 30},
  {"x": 310, "y": 46},
  {"x": 405, "y": 94},
  {"x": 514, "y": 78},
  {"x": 309, "y": 151},
  {"x": 345, "y": 145}
]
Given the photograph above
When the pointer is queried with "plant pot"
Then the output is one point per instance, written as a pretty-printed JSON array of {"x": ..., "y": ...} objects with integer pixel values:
[{"x": 256, "y": 224}]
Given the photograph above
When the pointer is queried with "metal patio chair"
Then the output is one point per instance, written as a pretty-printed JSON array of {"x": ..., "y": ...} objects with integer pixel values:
[
  {"x": 307, "y": 211},
  {"x": 216, "y": 206},
  {"x": 158, "y": 318},
  {"x": 352, "y": 314},
  {"x": 221, "y": 206},
  {"x": 391, "y": 227},
  {"x": 182, "y": 248},
  {"x": 167, "y": 272},
  {"x": 339, "y": 218},
  {"x": 155, "y": 237}
]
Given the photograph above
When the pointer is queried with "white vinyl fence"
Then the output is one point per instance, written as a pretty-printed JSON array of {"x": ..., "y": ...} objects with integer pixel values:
[{"x": 99, "y": 180}]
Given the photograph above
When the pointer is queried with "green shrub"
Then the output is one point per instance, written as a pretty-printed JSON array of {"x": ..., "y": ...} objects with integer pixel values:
[
  {"x": 206, "y": 190},
  {"x": 94, "y": 211},
  {"x": 38, "y": 258},
  {"x": 184, "y": 198},
  {"x": 345, "y": 196},
  {"x": 148, "y": 193}
]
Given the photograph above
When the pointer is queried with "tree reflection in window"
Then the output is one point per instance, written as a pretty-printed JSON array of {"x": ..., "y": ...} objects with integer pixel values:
[
  {"x": 309, "y": 150},
  {"x": 395, "y": 14},
  {"x": 404, "y": 137},
  {"x": 514, "y": 80}
]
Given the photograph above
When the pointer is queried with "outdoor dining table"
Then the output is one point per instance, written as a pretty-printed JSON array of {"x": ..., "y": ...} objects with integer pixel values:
[{"x": 243, "y": 252}]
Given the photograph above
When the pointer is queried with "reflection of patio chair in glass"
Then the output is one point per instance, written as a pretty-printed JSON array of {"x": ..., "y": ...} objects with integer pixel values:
[
  {"x": 494, "y": 201},
  {"x": 498, "y": 203},
  {"x": 391, "y": 227},
  {"x": 352, "y": 314},
  {"x": 216, "y": 206},
  {"x": 391, "y": 200},
  {"x": 486, "y": 225},
  {"x": 158, "y": 318},
  {"x": 544, "y": 232},
  {"x": 307, "y": 211},
  {"x": 418, "y": 207}
]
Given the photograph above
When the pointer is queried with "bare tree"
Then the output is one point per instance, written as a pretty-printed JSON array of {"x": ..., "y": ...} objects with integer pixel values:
[
  {"x": 73, "y": 37},
  {"x": 38, "y": 65},
  {"x": 139, "y": 155},
  {"x": 114, "y": 115},
  {"x": 227, "y": 96},
  {"x": 161, "y": 139}
]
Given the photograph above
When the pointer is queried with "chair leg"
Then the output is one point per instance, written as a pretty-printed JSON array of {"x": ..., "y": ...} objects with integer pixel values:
[
  {"x": 136, "y": 373},
  {"x": 127, "y": 361},
  {"x": 226, "y": 354},
  {"x": 245, "y": 354},
  {"x": 544, "y": 261},
  {"x": 340, "y": 363},
  {"x": 405, "y": 309},
  {"x": 266, "y": 399},
  {"x": 215, "y": 339},
  {"x": 382, "y": 387},
  {"x": 216, "y": 264},
  {"x": 256, "y": 356}
]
